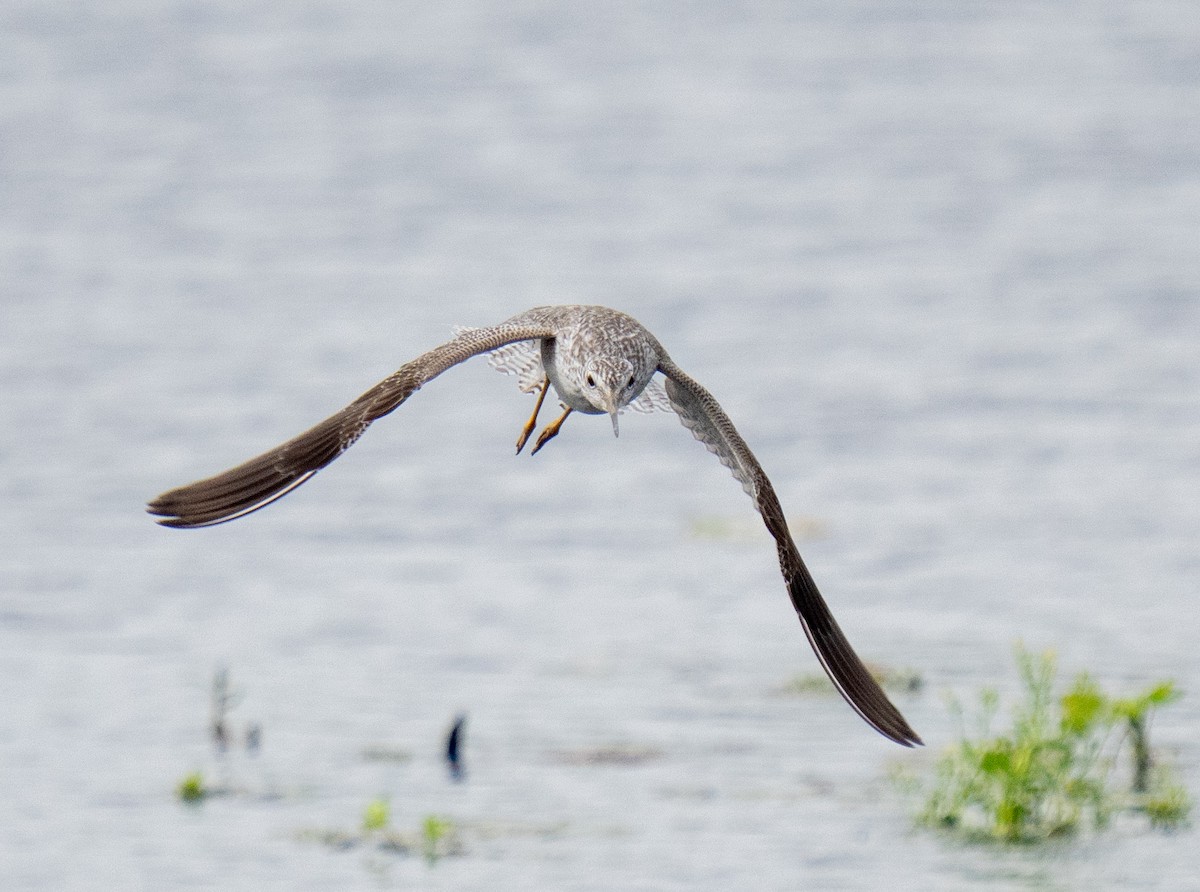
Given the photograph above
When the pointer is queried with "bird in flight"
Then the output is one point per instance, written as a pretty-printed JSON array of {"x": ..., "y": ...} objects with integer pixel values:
[{"x": 598, "y": 361}]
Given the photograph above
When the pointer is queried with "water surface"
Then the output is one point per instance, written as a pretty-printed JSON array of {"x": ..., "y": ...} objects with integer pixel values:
[{"x": 938, "y": 262}]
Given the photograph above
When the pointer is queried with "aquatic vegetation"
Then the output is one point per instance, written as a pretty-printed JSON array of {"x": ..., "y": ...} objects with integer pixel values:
[
  {"x": 455, "y": 745},
  {"x": 192, "y": 788},
  {"x": 376, "y": 816},
  {"x": 610, "y": 754},
  {"x": 385, "y": 753},
  {"x": 231, "y": 771},
  {"x": 1057, "y": 770},
  {"x": 436, "y": 832},
  {"x": 223, "y": 699},
  {"x": 1166, "y": 803},
  {"x": 437, "y": 838}
]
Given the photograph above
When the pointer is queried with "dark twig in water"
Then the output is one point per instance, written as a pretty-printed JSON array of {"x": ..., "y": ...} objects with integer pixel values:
[{"x": 455, "y": 742}]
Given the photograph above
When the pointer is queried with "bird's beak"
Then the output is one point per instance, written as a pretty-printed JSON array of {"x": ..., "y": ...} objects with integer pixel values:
[{"x": 610, "y": 403}]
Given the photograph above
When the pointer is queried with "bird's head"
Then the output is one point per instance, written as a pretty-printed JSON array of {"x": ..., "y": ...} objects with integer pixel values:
[{"x": 611, "y": 385}]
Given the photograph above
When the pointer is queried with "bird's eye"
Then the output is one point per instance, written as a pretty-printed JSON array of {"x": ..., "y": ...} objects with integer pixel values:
[
  {"x": 591, "y": 381},
  {"x": 630, "y": 382}
]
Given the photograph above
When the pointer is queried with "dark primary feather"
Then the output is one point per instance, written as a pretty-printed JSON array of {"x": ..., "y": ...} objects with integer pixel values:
[
  {"x": 261, "y": 480},
  {"x": 705, "y": 418}
]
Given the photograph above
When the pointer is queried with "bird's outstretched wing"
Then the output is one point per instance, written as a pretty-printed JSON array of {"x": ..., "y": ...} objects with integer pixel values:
[
  {"x": 705, "y": 418},
  {"x": 272, "y": 475}
]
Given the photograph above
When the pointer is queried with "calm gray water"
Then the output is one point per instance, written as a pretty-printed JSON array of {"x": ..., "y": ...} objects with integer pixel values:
[{"x": 938, "y": 260}]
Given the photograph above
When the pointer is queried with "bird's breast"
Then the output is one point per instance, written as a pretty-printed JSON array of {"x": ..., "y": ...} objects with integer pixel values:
[{"x": 564, "y": 379}]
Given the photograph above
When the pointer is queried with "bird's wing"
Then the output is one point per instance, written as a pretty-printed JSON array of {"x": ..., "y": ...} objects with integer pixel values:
[
  {"x": 272, "y": 475},
  {"x": 704, "y": 417},
  {"x": 652, "y": 399},
  {"x": 520, "y": 358}
]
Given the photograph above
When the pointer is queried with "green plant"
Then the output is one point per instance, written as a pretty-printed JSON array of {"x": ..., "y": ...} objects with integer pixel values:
[
  {"x": 1166, "y": 803},
  {"x": 376, "y": 816},
  {"x": 1135, "y": 712},
  {"x": 436, "y": 838},
  {"x": 192, "y": 788},
  {"x": 1052, "y": 773},
  {"x": 435, "y": 833}
]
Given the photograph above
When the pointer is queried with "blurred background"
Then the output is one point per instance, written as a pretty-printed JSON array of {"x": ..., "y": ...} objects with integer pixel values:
[{"x": 938, "y": 261}]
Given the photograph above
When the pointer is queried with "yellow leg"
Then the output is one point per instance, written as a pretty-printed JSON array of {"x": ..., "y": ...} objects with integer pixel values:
[
  {"x": 532, "y": 422},
  {"x": 550, "y": 432}
]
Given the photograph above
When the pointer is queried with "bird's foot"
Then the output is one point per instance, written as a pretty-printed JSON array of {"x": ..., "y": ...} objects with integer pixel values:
[{"x": 550, "y": 432}]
